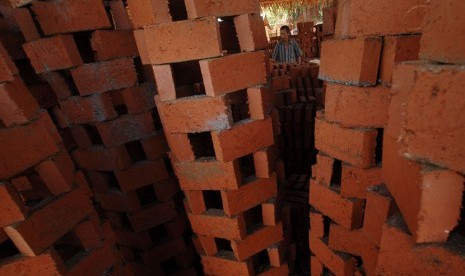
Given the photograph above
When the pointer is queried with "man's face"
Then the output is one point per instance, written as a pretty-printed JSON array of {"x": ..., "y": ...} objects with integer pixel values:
[{"x": 284, "y": 35}]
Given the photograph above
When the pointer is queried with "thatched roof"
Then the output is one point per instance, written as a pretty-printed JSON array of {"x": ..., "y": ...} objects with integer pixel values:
[{"x": 266, "y": 3}]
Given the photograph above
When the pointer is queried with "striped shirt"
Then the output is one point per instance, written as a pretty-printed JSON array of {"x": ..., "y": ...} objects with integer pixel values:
[{"x": 288, "y": 54}]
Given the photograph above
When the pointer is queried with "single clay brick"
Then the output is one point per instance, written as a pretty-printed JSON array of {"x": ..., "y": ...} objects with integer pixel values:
[
  {"x": 102, "y": 159},
  {"x": 7, "y": 67},
  {"x": 317, "y": 227},
  {"x": 348, "y": 212},
  {"x": 153, "y": 216},
  {"x": 196, "y": 114},
  {"x": 120, "y": 15},
  {"x": 147, "y": 172},
  {"x": 59, "y": 85},
  {"x": 355, "y": 181},
  {"x": 397, "y": 49},
  {"x": 435, "y": 108},
  {"x": 12, "y": 209},
  {"x": 442, "y": 38},
  {"x": 165, "y": 82},
  {"x": 164, "y": 251},
  {"x": 221, "y": 76},
  {"x": 214, "y": 265},
  {"x": 92, "y": 109},
  {"x": 98, "y": 261},
  {"x": 139, "y": 37},
  {"x": 196, "y": 202},
  {"x": 57, "y": 173},
  {"x": 104, "y": 76},
  {"x": 45, "y": 264},
  {"x": 354, "y": 146},
  {"x": 139, "y": 98},
  {"x": 363, "y": 107},
  {"x": 111, "y": 44},
  {"x": 339, "y": 264},
  {"x": 53, "y": 53},
  {"x": 257, "y": 241},
  {"x": 183, "y": 41},
  {"x": 351, "y": 61},
  {"x": 244, "y": 138},
  {"x": 386, "y": 17},
  {"x": 57, "y": 17},
  {"x": 148, "y": 12},
  {"x": 155, "y": 147},
  {"x": 323, "y": 169},
  {"x": 220, "y": 8},
  {"x": 207, "y": 224},
  {"x": 117, "y": 201},
  {"x": 26, "y": 24},
  {"x": 17, "y": 106},
  {"x": 260, "y": 102},
  {"x": 250, "y": 32},
  {"x": 379, "y": 207},
  {"x": 180, "y": 146}
]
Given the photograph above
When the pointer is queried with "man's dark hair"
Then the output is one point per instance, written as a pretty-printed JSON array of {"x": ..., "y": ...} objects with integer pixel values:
[{"x": 285, "y": 27}]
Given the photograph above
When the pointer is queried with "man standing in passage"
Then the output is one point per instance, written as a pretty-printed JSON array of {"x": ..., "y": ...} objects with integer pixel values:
[{"x": 287, "y": 50}]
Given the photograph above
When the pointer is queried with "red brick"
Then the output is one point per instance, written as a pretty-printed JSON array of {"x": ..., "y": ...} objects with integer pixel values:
[
  {"x": 22, "y": 143},
  {"x": 329, "y": 20},
  {"x": 270, "y": 212},
  {"x": 58, "y": 84},
  {"x": 351, "y": 61},
  {"x": 155, "y": 147},
  {"x": 357, "y": 106},
  {"x": 355, "y": 181},
  {"x": 257, "y": 241},
  {"x": 204, "y": 8},
  {"x": 442, "y": 39},
  {"x": 99, "y": 261},
  {"x": 213, "y": 265},
  {"x": 153, "y": 216},
  {"x": 17, "y": 104},
  {"x": 148, "y": 12},
  {"x": 165, "y": 82},
  {"x": 139, "y": 98},
  {"x": 117, "y": 201},
  {"x": 265, "y": 162},
  {"x": 323, "y": 169},
  {"x": 88, "y": 235},
  {"x": 45, "y": 264},
  {"x": 164, "y": 251},
  {"x": 346, "y": 212},
  {"x": 354, "y": 146},
  {"x": 379, "y": 207},
  {"x": 139, "y": 37},
  {"x": 260, "y": 102},
  {"x": 57, "y": 173},
  {"x": 339, "y": 265},
  {"x": 316, "y": 267},
  {"x": 57, "y": 17},
  {"x": 53, "y": 53},
  {"x": 102, "y": 159},
  {"x": 207, "y": 224},
  {"x": 180, "y": 146},
  {"x": 92, "y": 109},
  {"x": 397, "y": 49},
  {"x": 208, "y": 245},
  {"x": 250, "y": 32},
  {"x": 12, "y": 209},
  {"x": 221, "y": 76},
  {"x": 147, "y": 172},
  {"x": 50, "y": 223},
  {"x": 26, "y": 24},
  {"x": 387, "y": 18},
  {"x": 104, "y": 76},
  {"x": 125, "y": 129},
  {"x": 436, "y": 107},
  {"x": 208, "y": 174},
  {"x": 398, "y": 255},
  {"x": 249, "y": 195},
  {"x": 45, "y": 121},
  {"x": 128, "y": 237},
  {"x": 183, "y": 41},
  {"x": 7, "y": 67},
  {"x": 119, "y": 15},
  {"x": 244, "y": 138},
  {"x": 191, "y": 115},
  {"x": 111, "y": 44}
]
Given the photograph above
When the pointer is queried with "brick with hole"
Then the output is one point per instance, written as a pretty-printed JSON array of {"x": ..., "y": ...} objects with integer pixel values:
[
  {"x": 45, "y": 226},
  {"x": 249, "y": 195},
  {"x": 344, "y": 105},
  {"x": 202, "y": 41},
  {"x": 127, "y": 237},
  {"x": 353, "y": 146},
  {"x": 148, "y": 12},
  {"x": 112, "y": 44},
  {"x": 244, "y": 138},
  {"x": 58, "y": 17},
  {"x": 146, "y": 172},
  {"x": 17, "y": 106},
  {"x": 388, "y": 17},
  {"x": 126, "y": 129},
  {"x": 204, "y": 8},
  {"x": 435, "y": 108},
  {"x": 26, "y": 24},
  {"x": 53, "y": 53},
  {"x": 351, "y": 61},
  {"x": 323, "y": 169},
  {"x": 220, "y": 77},
  {"x": 180, "y": 146},
  {"x": 198, "y": 114},
  {"x": 250, "y": 32},
  {"x": 255, "y": 242},
  {"x": 104, "y": 76},
  {"x": 85, "y": 110},
  {"x": 349, "y": 212},
  {"x": 207, "y": 224},
  {"x": 99, "y": 158}
]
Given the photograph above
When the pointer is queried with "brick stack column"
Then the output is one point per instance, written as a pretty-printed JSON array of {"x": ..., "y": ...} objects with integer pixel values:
[
  {"x": 86, "y": 52},
  {"x": 48, "y": 224},
  {"x": 349, "y": 204},
  {"x": 210, "y": 73}
]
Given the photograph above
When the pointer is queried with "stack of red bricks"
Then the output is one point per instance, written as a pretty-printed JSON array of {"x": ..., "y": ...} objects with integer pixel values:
[
  {"x": 367, "y": 144},
  {"x": 307, "y": 39},
  {"x": 86, "y": 52},
  {"x": 48, "y": 224},
  {"x": 210, "y": 70}
]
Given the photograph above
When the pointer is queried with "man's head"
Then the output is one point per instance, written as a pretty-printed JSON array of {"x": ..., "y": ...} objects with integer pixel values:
[{"x": 285, "y": 32}]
